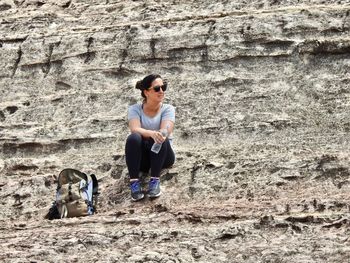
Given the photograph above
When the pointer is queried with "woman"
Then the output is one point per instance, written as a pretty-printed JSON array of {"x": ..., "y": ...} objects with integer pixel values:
[{"x": 146, "y": 119}]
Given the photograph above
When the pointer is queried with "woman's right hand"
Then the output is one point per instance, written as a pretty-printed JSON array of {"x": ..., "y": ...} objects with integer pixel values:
[{"x": 158, "y": 137}]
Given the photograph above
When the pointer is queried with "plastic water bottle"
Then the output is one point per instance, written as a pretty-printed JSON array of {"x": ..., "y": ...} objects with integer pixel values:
[{"x": 157, "y": 146}]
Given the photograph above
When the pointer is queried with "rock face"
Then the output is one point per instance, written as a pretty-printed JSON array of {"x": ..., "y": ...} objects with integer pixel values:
[{"x": 261, "y": 90}]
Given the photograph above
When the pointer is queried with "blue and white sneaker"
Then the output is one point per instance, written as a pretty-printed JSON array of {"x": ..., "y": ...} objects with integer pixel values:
[
  {"x": 154, "y": 188},
  {"x": 136, "y": 190}
]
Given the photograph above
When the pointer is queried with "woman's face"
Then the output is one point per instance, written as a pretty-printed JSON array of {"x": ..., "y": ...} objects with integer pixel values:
[{"x": 155, "y": 93}]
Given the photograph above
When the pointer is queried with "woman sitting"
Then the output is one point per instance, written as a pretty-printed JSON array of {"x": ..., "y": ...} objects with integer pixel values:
[{"x": 150, "y": 122}]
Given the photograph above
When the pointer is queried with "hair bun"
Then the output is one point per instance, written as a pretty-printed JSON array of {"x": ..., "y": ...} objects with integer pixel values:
[{"x": 139, "y": 85}]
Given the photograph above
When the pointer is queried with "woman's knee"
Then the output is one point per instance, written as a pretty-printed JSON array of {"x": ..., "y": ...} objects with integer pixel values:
[
  {"x": 134, "y": 139},
  {"x": 168, "y": 144},
  {"x": 165, "y": 146}
]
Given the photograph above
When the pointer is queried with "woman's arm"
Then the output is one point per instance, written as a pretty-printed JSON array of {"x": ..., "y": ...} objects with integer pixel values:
[
  {"x": 167, "y": 124},
  {"x": 168, "y": 118},
  {"x": 135, "y": 126}
]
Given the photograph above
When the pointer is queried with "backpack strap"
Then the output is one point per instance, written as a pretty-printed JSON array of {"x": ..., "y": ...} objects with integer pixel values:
[
  {"x": 64, "y": 211},
  {"x": 94, "y": 183},
  {"x": 70, "y": 175}
]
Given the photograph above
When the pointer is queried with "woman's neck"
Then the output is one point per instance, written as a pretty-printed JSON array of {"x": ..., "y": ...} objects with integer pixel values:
[{"x": 151, "y": 108}]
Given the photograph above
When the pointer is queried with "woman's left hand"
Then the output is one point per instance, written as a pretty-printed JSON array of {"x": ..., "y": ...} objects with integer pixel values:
[{"x": 158, "y": 137}]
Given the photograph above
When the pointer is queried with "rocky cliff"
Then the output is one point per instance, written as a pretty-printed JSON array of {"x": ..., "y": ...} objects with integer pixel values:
[{"x": 261, "y": 90}]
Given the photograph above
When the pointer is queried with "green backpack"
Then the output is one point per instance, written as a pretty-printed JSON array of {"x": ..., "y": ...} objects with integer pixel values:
[{"x": 76, "y": 195}]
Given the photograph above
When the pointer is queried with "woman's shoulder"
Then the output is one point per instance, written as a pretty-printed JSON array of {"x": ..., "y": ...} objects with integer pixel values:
[
  {"x": 167, "y": 107},
  {"x": 136, "y": 106},
  {"x": 134, "y": 111},
  {"x": 168, "y": 112}
]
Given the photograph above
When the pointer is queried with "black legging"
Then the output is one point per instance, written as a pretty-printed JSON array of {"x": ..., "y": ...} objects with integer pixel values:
[{"x": 139, "y": 156}]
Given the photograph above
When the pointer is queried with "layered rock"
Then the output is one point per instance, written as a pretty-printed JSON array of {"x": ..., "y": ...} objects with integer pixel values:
[{"x": 261, "y": 90}]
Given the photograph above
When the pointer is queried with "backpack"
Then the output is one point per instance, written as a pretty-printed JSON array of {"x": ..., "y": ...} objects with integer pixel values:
[{"x": 76, "y": 195}]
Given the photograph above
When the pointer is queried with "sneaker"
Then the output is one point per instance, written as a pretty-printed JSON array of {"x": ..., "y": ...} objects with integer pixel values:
[
  {"x": 136, "y": 191},
  {"x": 154, "y": 188}
]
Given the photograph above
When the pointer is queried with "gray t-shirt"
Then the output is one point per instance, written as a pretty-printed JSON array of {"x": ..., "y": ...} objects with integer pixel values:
[{"x": 167, "y": 112}]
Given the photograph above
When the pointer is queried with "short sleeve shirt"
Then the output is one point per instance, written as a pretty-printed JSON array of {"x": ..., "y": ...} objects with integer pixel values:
[{"x": 167, "y": 112}]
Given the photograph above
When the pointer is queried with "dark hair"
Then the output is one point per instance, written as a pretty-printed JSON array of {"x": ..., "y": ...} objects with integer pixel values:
[{"x": 146, "y": 83}]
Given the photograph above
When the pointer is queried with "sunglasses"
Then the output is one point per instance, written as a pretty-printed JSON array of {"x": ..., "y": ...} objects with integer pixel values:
[{"x": 157, "y": 88}]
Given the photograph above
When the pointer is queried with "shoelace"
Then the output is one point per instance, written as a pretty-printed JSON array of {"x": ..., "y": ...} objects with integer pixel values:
[
  {"x": 135, "y": 186},
  {"x": 153, "y": 183}
]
